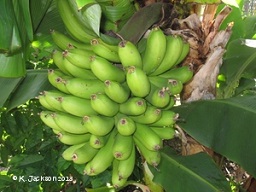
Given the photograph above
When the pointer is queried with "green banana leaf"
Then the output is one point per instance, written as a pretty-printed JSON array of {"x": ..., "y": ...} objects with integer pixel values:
[
  {"x": 225, "y": 125},
  {"x": 239, "y": 61},
  {"x": 10, "y": 39},
  {"x": 189, "y": 173},
  {"x": 18, "y": 91},
  {"x": 141, "y": 21}
]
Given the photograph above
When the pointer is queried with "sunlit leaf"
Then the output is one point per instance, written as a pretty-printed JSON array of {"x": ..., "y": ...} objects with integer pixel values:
[
  {"x": 189, "y": 173},
  {"x": 12, "y": 66},
  {"x": 225, "y": 125},
  {"x": 239, "y": 60},
  {"x": 83, "y": 3}
]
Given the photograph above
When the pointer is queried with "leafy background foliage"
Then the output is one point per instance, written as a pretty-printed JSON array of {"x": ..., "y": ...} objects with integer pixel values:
[{"x": 28, "y": 147}]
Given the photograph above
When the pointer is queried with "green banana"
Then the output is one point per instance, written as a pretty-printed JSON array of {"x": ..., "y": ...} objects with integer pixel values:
[
  {"x": 44, "y": 103},
  {"x": 98, "y": 125},
  {"x": 104, "y": 51},
  {"x": 183, "y": 74},
  {"x": 171, "y": 103},
  {"x": 116, "y": 91},
  {"x": 78, "y": 71},
  {"x": 72, "y": 22},
  {"x": 158, "y": 97},
  {"x": 151, "y": 115},
  {"x": 51, "y": 98},
  {"x": 55, "y": 78},
  {"x": 168, "y": 118},
  {"x": 73, "y": 139},
  {"x": 117, "y": 182},
  {"x": 84, "y": 88},
  {"x": 173, "y": 51},
  {"x": 148, "y": 137},
  {"x": 102, "y": 104},
  {"x": 184, "y": 52},
  {"x": 70, "y": 123},
  {"x": 77, "y": 106},
  {"x": 69, "y": 151},
  {"x": 133, "y": 106},
  {"x": 58, "y": 58},
  {"x": 122, "y": 146},
  {"x": 155, "y": 50},
  {"x": 174, "y": 86},
  {"x": 164, "y": 132},
  {"x": 47, "y": 118},
  {"x": 105, "y": 70},
  {"x": 79, "y": 57},
  {"x": 137, "y": 81},
  {"x": 129, "y": 54},
  {"x": 103, "y": 159},
  {"x": 98, "y": 141},
  {"x": 151, "y": 157},
  {"x": 126, "y": 167},
  {"x": 64, "y": 42},
  {"x": 84, "y": 154},
  {"x": 125, "y": 125}
]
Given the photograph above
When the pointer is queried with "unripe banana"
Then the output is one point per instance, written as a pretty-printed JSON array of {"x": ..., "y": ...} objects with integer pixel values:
[
  {"x": 55, "y": 78},
  {"x": 78, "y": 71},
  {"x": 105, "y": 70},
  {"x": 155, "y": 50},
  {"x": 116, "y": 91},
  {"x": 64, "y": 42},
  {"x": 117, "y": 182},
  {"x": 129, "y": 54},
  {"x": 133, "y": 106},
  {"x": 151, "y": 115},
  {"x": 68, "y": 152},
  {"x": 138, "y": 81},
  {"x": 51, "y": 98},
  {"x": 122, "y": 146},
  {"x": 171, "y": 103},
  {"x": 78, "y": 57},
  {"x": 105, "y": 52},
  {"x": 168, "y": 118},
  {"x": 72, "y": 22},
  {"x": 44, "y": 103},
  {"x": 183, "y": 74},
  {"x": 173, "y": 51},
  {"x": 98, "y": 125},
  {"x": 126, "y": 167},
  {"x": 58, "y": 61},
  {"x": 124, "y": 124},
  {"x": 84, "y": 154},
  {"x": 184, "y": 52},
  {"x": 158, "y": 97},
  {"x": 70, "y": 123},
  {"x": 174, "y": 86},
  {"x": 84, "y": 88},
  {"x": 103, "y": 159},
  {"x": 47, "y": 118},
  {"x": 77, "y": 106},
  {"x": 98, "y": 142},
  {"x": 148, "y": 137},
  {"x": 164, "y": 132},
  {"x": 102, "y": 104},
  {"x": 73, "y": 139},
  {"x": 151, "y": 157}
]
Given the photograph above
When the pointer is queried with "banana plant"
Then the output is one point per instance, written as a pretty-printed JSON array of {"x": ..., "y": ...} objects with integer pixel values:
[{"x": 26, "y": 59}]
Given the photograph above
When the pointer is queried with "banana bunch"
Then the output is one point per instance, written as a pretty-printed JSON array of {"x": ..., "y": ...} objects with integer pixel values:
[{"x": 111, "y": 101}]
